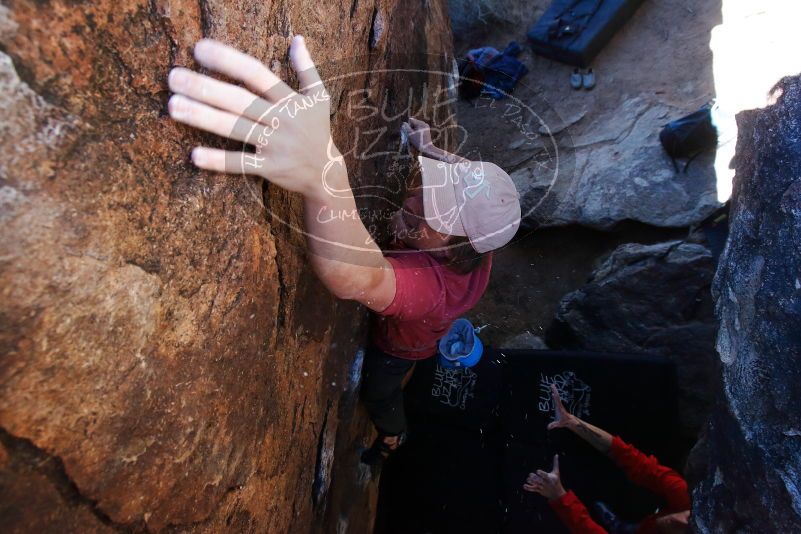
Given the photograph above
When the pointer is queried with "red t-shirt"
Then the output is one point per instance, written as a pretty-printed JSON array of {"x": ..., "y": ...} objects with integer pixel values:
[
  {"x": 642, "y": 470},
  {"x": 428, "y": 298}
]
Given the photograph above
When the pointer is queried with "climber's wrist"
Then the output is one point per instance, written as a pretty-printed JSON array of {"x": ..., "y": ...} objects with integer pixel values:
[
  {"x": 442, "y": 155},
  {"x": 330, "y": 182},
  {"x": 431, "y": 151}
]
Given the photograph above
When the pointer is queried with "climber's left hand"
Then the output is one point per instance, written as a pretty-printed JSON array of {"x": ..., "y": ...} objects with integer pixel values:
[
  {"x": 419, "y": 134},
  {"x": 562, "y": 418},
  {"x": 549, "y": 485},
  {"x": 291, "y": 131}
]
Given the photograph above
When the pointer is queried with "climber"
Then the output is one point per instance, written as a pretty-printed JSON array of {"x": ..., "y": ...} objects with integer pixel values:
[
  {"x": 642, "y": 470},
  {"x": 441, "y": 264},
  {"x": 444, "y": 231}
]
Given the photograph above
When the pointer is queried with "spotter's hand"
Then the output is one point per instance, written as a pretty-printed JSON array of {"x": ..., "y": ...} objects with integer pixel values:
[
  {"x": 549, "y": 485},
  {"x": 562, "y": 418},
  {"x": 291, "y": 131}
]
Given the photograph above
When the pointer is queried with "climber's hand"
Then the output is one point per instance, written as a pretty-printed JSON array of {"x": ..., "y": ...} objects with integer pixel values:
[
  {"x": 291, "y": 132},
  {"x": 549, "y": 485},
  {"x": 563, "y": 418},
  {"x": 419, "y": 134}
]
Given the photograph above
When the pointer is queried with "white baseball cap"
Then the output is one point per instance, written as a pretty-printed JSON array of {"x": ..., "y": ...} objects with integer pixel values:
[{"x": 476, "y": 199}]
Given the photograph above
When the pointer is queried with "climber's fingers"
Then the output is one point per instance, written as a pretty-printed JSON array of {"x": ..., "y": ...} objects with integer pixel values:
[
  {"x": 221, "y": 95},
  {"x": 302, "y": 64},
  {"x": 557, "y": 402},
  {"x": 213, "y": 120},
  {"x": 247, "y": 69},
  {"x": 534, "y": 488},
  {"x": 417, "y": 124},
  {"x": 214, "y": 159}
]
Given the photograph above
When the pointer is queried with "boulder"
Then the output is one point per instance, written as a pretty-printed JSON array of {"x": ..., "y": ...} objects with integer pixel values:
[
  {"x": 650, "y": 299},
  {"x": 526, "y": 340},
  {"x": 472, "y": 18},
  {"x": 169, "y": 361},
  {"x": 614, "y": 169},
  {"x": 752, "y": 450}
]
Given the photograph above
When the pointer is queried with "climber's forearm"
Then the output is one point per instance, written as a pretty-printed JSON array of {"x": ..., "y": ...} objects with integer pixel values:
[
  {"x": 342, "y": 252},
  {"x": 599, "y": 438},
  {"x": 442, "y": 155}
]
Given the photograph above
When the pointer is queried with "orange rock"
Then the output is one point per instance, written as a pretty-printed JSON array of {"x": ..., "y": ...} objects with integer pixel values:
[{"x": 156, "y": 320}]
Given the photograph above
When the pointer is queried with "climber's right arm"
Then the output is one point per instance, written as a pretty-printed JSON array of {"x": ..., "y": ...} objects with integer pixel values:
[
  {"x": 291, "y": 133},
  {"x": 341, "y": 249},
  {"x": 419, "y": 133}
]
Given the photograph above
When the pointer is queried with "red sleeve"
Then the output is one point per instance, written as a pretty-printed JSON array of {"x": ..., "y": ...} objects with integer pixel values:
[
  {"x": 646, "y": 471},
  {"x": 418, "y": 287},
  {"x": 574, "y": 515}
]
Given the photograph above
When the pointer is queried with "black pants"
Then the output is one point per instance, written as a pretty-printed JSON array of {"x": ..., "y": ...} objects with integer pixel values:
[{"x": 382, "y": 390}]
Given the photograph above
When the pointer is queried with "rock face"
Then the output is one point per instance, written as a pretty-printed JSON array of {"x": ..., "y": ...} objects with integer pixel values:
[
  {"x": 753, "y": 443},
  {"x": 475, "y": 17},
  {"x": 526, "y": 340},
  {"x": 651, "y": 299},
  {"x": 168, "y": 358}
]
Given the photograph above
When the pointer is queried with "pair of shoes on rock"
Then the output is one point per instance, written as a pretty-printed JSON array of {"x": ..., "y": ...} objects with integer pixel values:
[
  {"x": 585, "y": 80},
  {"x": 383, "y": 445}
]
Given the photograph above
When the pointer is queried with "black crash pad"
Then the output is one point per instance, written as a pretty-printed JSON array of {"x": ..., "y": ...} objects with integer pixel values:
[
  {"x": 474, "y": 435},
  {"x": 574, "y": 31},
  {"x": 448, "y": 477},
  {"x": 633, "y": 396}
]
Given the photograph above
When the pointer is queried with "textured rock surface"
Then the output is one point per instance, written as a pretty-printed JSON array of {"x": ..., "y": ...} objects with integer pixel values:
[
  {"x": 620, "y": 172},
  {"x": 594, "y": 157},
  {"x": 526, "y": 340},
  {"x": 168, "y": 359},
  {"x": 534, "y": 273},
  {"x": 473, "y": 17},
  {"x": 753, "y": 443},
  {"x": 652, "y": 299}
]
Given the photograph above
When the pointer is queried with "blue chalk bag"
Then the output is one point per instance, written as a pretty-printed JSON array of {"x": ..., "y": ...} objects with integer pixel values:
[{"x": 461, "y": 347}]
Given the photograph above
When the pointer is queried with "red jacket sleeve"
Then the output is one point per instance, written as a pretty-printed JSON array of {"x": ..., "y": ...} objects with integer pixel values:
[
  {"x": 574, "y": 515},
  {"x": 646, "y": 471}
]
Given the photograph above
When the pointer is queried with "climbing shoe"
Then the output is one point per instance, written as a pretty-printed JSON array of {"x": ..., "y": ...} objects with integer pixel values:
[
  {"x": 588, "y": 79},
  {"x": 575, "y": 79},
  {"x": 380, "y": 450}
]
